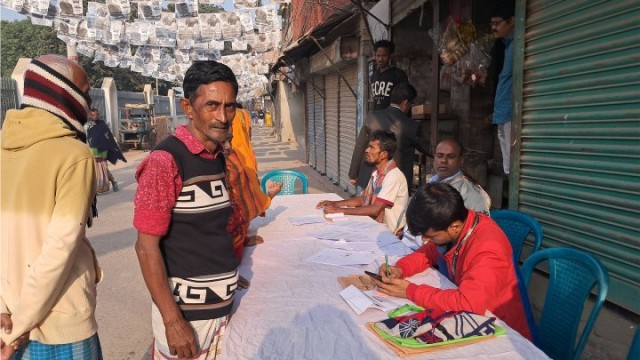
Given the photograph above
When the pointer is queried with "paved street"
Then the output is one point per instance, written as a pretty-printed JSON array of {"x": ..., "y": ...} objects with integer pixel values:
[{"x": 123, "y": 301}]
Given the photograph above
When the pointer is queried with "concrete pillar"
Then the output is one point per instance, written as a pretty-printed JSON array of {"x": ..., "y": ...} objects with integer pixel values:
[
  {"x": 362, "y": 87},
  {"x": 171, "y": 94},
  {"x": 72, "y": 53},
  {"x": 148, "y": 93},
  {"x": 18, "y": 76},
  {"x": 111, "y": 105},
  {"x": 286, "y": 131}
]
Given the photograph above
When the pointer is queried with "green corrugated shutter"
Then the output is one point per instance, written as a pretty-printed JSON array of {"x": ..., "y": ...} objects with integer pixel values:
[{"x": 578, "y": 169}]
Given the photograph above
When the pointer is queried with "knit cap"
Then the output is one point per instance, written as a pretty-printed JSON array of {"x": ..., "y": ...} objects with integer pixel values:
[{"x": 47, "y": 89}]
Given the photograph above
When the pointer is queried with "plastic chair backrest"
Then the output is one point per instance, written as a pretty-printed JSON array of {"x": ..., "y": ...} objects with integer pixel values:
[
  {"x": 573, "y": 274},
  {"x": 288, "y": 179},
  {"x": 517, "y": 226},
  {"x": 528, "y": 309},
  {"x": 634, "y": 350}
]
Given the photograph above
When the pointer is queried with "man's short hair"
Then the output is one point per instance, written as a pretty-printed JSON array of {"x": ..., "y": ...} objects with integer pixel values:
[
  {"x": 505, "y": 9},
  {"x": 401, "y": 92},
  {"x": 387, "y": 44},
  {"x": 455, "y": 141},
  {"x": 435, "y": 206},
  {"x": 205, "y": 72},
  {"x": 387, "y": 141}
]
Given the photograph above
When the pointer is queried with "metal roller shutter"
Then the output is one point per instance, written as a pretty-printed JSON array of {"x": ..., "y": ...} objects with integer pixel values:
[
  {"x": 348, "y": 131},
  {"x": 321, "y": 163},
  {"x": 311, "y": 126},
  {"x": 331, "y": 125},
  {"x": 578, "y": 167}
]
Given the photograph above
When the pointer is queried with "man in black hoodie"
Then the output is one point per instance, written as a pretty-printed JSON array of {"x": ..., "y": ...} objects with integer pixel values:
[
  {"x": 104, "y": 148},
  {"x": 385, "y": 76}
]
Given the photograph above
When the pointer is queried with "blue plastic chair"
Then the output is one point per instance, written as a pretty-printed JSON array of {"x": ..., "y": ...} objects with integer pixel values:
[
  {"x": 517, "y": 226},
  {"x": 573, "y": 274},
  {"x": 288, "y": 179},
  {"x": 528, "y": 309}
]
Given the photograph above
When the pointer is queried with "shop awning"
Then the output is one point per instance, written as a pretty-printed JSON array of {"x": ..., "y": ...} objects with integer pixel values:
[{"x": 305, "y": 46}]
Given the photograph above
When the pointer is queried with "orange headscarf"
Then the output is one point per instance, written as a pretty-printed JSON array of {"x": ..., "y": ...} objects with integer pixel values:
[{"x": 242, "y": 175}]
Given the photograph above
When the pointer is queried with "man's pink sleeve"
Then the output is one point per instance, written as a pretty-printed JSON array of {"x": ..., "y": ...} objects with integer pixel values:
[{"x": 159, "y": 185}]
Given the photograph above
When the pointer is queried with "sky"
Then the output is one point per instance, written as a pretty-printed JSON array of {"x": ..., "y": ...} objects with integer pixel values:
[{"x": 10, "y": 15}]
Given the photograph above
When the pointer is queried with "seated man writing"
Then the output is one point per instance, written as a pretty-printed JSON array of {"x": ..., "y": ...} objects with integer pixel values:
[
  {"x": 386, "y": 194},
  {"x": 469, "y": 248}
]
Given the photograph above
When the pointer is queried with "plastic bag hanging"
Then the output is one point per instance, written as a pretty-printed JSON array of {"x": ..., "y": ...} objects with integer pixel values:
[{"x": 452, "y": 46}]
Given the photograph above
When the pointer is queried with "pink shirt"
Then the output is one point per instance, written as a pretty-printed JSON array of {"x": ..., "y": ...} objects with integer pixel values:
[{"x": 159, "y": 185}]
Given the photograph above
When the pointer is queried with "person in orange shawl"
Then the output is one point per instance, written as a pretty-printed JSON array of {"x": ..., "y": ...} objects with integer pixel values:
[{"x": 242, "y": 172}]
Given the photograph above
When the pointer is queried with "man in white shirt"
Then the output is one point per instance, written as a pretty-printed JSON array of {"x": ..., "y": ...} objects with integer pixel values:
[
  {"x": 447, "y": 163},
  {"x": 386, "y": 194}
]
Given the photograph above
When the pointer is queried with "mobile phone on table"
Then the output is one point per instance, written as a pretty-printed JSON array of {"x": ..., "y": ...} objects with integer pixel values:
[{"x": 373, "y": 275}]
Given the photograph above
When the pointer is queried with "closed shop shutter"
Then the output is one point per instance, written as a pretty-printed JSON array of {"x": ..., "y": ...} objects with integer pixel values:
[
  {"x": 331, "y": 125},
  {"x": 347, "y": 124},
  {"x": 311, "y": 125},
  {"x": 321, "y": 163},
  {"x": 578, "y": 167}
]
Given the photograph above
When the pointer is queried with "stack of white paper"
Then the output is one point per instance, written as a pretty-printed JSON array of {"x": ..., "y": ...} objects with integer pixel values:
[{"x": 359, "y": 301}]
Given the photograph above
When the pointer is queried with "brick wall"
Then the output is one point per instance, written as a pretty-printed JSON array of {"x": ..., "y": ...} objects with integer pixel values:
[{"x": 305, "y": 14}]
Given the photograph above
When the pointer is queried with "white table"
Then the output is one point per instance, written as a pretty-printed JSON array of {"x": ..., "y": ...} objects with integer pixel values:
[{"x": 293, "y": 309}]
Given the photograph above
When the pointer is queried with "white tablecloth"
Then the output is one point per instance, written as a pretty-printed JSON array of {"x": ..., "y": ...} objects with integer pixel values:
[{"x": 293, "y": 309}]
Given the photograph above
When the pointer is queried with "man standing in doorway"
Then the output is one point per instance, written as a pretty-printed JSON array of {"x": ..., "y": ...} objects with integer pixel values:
[
  {"x": 182, "y": 210},
  {"x": 385, "y": 76},
  {"x": 502, "y": 24}
]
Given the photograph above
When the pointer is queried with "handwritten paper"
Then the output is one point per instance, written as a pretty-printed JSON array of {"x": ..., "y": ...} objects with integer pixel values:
[
  {"x": 339, "y": 233},
  {"x": 305, "y": 219},
  {"x": 354, "y": 246},
  {"x": 340, "y": 257},
  {"x": 360, "y": 226}
]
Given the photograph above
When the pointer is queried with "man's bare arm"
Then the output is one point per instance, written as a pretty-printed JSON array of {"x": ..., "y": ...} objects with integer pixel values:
[{"x": 180, "y": 336}]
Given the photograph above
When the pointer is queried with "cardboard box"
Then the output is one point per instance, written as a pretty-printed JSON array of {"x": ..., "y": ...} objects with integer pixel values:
[{"x": 422, "y": 110}]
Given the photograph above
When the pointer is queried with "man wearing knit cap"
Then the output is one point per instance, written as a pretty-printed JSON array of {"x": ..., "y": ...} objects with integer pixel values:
[{"x": 48, "y": 268}]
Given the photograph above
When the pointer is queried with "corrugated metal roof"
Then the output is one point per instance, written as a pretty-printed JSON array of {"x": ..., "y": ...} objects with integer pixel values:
[{"x": 305, "y": 46}]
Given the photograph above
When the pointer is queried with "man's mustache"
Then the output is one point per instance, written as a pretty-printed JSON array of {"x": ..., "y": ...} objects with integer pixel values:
[{"x": 223, "y": 126}]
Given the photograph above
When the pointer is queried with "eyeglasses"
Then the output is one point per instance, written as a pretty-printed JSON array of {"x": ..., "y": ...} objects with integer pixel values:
[{"x": 496, "y": 23}]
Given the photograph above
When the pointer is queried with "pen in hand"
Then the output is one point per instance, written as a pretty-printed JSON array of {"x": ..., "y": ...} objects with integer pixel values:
[{"x": 386, "y": 266}]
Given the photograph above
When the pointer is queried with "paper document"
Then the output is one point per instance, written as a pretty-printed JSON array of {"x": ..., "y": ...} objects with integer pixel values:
[
  {"x": 335, "y": 216},
  {"x": 359, "y": 301},
  {"x": 360, "y": 225},
  {"x": 338, "y": 233},
  {"x": 341, "y": 257},
  {"x": 305, "y": 219},
  {"x": 354, "y": 246}
]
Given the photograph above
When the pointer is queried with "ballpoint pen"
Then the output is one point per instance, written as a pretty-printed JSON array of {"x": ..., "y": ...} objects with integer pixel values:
[{"x": 386, "y": 266}]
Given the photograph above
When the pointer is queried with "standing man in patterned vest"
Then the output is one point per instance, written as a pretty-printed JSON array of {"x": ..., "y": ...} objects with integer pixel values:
[{"x": 182, "y": 211}]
